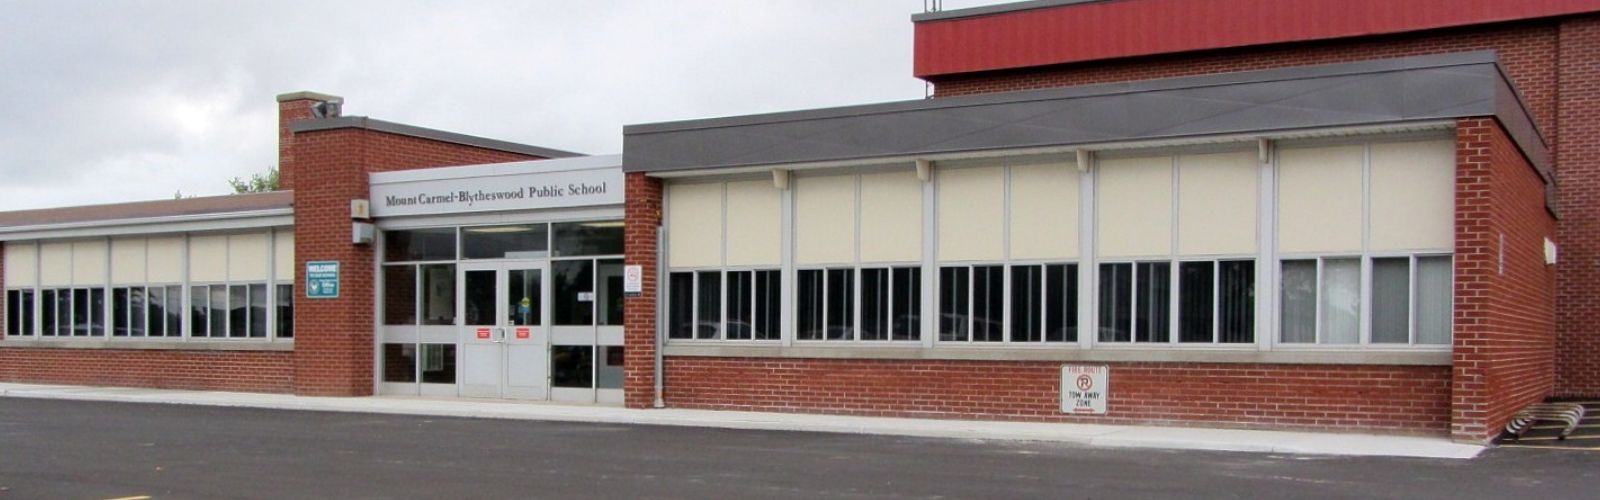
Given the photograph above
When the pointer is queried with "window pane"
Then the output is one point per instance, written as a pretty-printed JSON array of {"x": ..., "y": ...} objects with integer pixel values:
[
  {"x": 809, "y": 306},
  {"x": 525, "y": 297},
  {"x": 680, "y": 305},
  {"x": 120, "y": 312},
  {"x": 841, "y": 304},
  {"x": 1027, "y": 302},
  {"x": 769, "y": 305},
  {"x": 199, "y": 307},
  {"x": 258, "y": 310},
  {"x": 153, "y": 313},
  {"x": 1299, "y": 302},
  {"x": 285, "y": 319},
  {"x": 400, "y": 295},
  {"x": 739, "y": 306},
  {"x": 238, "y": 311},
  {"x": 399, "y": 362},
  {"x": 79, "y": 321},
  {"x": 14, "y": 313},
  {"x": 988, "y": 303},
  {"x": 419, "y": 244},
  {"x": 574, "y": 292},
  {"x": 907, "y": 303},
  {"x": 610, "y": 374},
  {"x": 572, "y": 366},
  {"x": 1196, "y": 282},
  {"x": 1116, "y": 308},
  {"x": 1061, "y": 302},
  {"x": 219, "y": 310},
  {"x": 875, "y": 304},
  {"x": 1391, "y": 300},
  {"x": 63, "y": 313},
  {"x": 1236, "y": 315},
  {"x": 710, "y": 304},
  {"x": 953, "y": 293},
  {"x": 609, "y": 299},
  {"x": 27, "y": 313},
  {"x": 439, "y": 294},
  {"x": 588, "y": 238},
  {"x": 529, "y": 241},
  {"x": 1151, "y": 321},
  {"x": 479, "y": 288},
  {"x": 1341, "y": 301},
  {"x": 174, "y": 311},
  {"x": 438, "y": 363},
  {"x": 1434, "y": 287}
]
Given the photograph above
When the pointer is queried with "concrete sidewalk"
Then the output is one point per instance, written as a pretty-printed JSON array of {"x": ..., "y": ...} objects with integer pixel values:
[{"x": 1083, "y": 434}]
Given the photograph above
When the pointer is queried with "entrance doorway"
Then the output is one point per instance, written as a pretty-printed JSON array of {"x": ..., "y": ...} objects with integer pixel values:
[{"x": 505, "y": 333}]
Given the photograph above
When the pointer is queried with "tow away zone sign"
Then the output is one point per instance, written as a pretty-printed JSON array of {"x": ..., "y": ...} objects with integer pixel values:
[{"x": 1084, "y": 389}]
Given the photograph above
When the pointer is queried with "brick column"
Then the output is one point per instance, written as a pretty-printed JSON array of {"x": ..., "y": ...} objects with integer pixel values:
[
  {"x": 333, "y": 337},
  {"x": 294, "y": 106},
  {"x": 1578, "y": 173},
  {"x": 644, "y": 196}
]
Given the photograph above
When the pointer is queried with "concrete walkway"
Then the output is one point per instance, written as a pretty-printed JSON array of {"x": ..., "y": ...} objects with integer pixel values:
[{"x": 1082, "y": 434}]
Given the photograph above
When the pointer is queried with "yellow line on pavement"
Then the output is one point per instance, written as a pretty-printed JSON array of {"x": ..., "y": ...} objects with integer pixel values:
[{"x": 140, "y": 497}]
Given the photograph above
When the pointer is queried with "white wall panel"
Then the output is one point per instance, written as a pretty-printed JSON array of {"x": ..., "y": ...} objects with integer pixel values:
[
  {"x": 55, "y": 264},
  {"x": 891, "y": 217},
  {"x": 208, "y": 258},
  {"x": 89, "y": 262},
  {"x": 1413, "y": 196},
  {"x": 1044, "y": 211},
  {"x": 248, "y": 257},
  {"x": 283, "y": 256},
  {"x": 1217, "y": 203},
  {"x": 22, "y": 264},
  {"x": 128, "y": 261},
  {"x": 1319, "y": 199},
  {"x": 825, "y": 219},
  {"x": 694, "y": 224},
  {"x": 165, "y": 259},
  {"x": 1133, "y": 212},
  {"x": 972, "y": 203},
  {"x": 755, "y": 224}
]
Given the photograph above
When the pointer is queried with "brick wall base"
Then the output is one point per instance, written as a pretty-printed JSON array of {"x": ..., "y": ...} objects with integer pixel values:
[{"x": 243, "y": 371}]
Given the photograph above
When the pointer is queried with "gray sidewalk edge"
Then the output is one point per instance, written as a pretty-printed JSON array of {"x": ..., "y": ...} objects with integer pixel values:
[{"x": 1186, "y": 438}]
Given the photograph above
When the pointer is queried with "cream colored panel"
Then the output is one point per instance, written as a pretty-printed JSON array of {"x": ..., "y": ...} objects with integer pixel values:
[
  {"x": 1217, "y": 203},
  {"x": 127, "y": 261},
  {"x": 1044, "y": 211},
  {"x": 1413, "y": 195},
  {"x": 694, "y": 224},
  {"x": 247, "y": 257},
  {"x": 55, "y": 264},
  {"x": 208, "y": 258},
  {"x": 972, "y": 214},
  {"x": 825, "y": 219},
  {"x": 1133, "y": 200},
  {"x": 1319, "y": 199},
  {"x": 283, "y": 256},
  {"x": 89, "y": 262},
  {"x": 22, "y": 264},
  {"x": 891, "y": 217},
  {"x": 755, "y": 226},
  {"x": 165, "y": 259}
]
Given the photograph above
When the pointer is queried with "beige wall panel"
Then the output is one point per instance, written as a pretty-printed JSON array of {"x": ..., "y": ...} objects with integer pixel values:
[
  {"x": 89, "y": 262},
  {"x": 755, "y": 224},
  {"x": 694, "y": 224},
  {"x": 248, "y": 257},
  {"x": 972, "y": 204},
  {"x": 1217, "y": 202},
  {"x": 127, "y": 261},
  {"x": 55, "y": 264},
  {"x": 825, "y": 219},
  {"x": 1133, "y": 207},
  {"x": 1044, "y": 211},
  {"x": 1319, "y": 199},
  {"x": 165, "y": 259},
  {"x": 891, "y": 217},
  {"x": 22, "y": 264},
  {"x": 1413, "y": 196},
  {"x": 283, "y": 256},
  {"x": 208, "y": 258}
]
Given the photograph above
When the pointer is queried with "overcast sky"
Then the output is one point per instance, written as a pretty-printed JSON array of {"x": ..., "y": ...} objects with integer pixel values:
[{"x": 111, "y": 101}]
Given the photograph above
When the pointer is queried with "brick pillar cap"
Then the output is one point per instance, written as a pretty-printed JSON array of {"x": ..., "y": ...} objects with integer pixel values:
[{"x": 306, "y": 95}]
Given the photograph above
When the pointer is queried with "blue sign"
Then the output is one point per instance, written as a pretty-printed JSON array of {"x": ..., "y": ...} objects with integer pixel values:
[{"x": 322, "y": 279}]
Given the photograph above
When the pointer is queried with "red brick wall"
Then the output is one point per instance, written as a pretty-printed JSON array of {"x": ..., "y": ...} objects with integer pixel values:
[
  {"x": 643, "y": 216},
  {"x": 1388, "y": 398},
  {"x": 1505, "y": 294},
  {"x": 289, "y": 111},
  {"x": 334, "y": 337},
  {"x": 247, "y": 371},
  {"x": 1578, "y": 170}
]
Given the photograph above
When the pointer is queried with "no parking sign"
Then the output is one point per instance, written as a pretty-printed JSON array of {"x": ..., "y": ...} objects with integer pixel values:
[{"x": 1084, "y": 389}]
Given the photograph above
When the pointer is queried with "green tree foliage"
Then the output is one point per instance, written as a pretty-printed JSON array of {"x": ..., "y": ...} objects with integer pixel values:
[{"x": 258, "y": 183}]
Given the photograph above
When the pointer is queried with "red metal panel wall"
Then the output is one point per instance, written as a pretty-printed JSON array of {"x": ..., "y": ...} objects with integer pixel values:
[{"x": 1128, "y": 28}]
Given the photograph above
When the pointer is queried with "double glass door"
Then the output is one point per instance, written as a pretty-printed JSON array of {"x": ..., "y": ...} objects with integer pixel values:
[{"x": 504, "y": 332}]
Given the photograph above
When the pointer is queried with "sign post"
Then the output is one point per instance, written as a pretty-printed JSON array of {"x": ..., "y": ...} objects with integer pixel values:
[
  {"x": 322, "y": 279},
  {"x": 1084, "y": 389}
]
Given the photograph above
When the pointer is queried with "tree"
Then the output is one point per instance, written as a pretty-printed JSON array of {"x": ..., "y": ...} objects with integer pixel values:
[{"x": 258, "y": 183}]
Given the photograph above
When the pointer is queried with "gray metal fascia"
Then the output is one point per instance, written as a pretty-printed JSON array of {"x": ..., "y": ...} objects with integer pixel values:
[
  {"x": 276, "y": 217},
  {"x": 376, "y": 125},
  {"x": 990, "y": 10}
]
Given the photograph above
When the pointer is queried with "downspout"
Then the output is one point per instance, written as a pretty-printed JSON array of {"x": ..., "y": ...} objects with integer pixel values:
[{"x": 661, "y": 282}]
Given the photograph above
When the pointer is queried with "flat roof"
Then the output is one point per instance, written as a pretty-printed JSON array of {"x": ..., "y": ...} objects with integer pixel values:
[
  {"x": 208, "y": 205},
  {"x": 362, "y": 122}
]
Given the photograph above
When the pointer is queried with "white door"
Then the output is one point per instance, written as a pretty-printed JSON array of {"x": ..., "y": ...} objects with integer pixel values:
[{"x": 505, "y": 337}]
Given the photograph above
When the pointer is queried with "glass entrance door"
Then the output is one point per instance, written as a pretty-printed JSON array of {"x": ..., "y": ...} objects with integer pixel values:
[{"x": 505, "y": 334}]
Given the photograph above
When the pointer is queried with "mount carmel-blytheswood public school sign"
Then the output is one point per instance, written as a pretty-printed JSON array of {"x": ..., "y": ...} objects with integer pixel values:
[{"x": 530, "y": 185}]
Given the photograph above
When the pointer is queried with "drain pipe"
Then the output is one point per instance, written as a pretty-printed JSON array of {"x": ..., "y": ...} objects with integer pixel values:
[{"x": 661, "y": 256}]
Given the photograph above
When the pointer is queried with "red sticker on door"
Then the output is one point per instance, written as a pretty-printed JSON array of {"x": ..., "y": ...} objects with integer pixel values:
[
  {"x": 483, "y": 333},
  {"x": 523, "y": 333}
]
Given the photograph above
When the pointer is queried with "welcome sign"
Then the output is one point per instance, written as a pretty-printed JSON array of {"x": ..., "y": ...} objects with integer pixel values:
[{"x": 516, "y": 191}]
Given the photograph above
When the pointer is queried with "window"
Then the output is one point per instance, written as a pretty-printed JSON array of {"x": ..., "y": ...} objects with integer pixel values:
[
  {"x": 1135, "y": 302},
  {"x": 1044, "y": 303},
  {"x": 972, "y": 303},
  {"x": 1411, "y": 301},
  {"x": 754, "y": 305},
  {"x": 19, "y": 313},
  {"x": 285, "y": 311},
  {"x": 825, "y": 304},
  {"x": 1216, "y": 301},
  {"x": 529, "y": 241},
  {"x": 752, "y": 298},
  {"x": 891, "y": 303}
]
